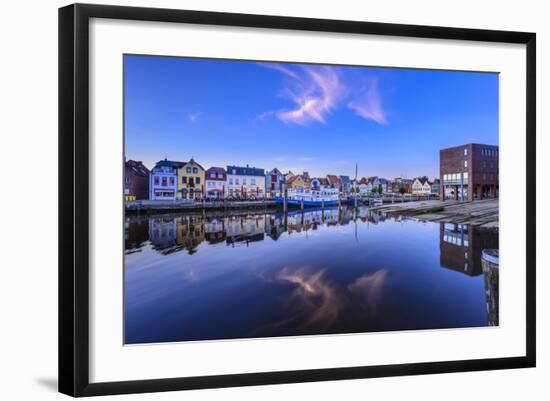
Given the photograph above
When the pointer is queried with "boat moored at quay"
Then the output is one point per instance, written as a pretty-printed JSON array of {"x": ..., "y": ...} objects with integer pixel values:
[{"x": 310, "y": 198}]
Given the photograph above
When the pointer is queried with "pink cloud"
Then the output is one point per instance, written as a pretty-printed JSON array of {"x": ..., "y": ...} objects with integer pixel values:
[
  {"x": 368, "y": 104},
  {"x": 315, "y": 93},
  {"x": 281, "y": 68}
]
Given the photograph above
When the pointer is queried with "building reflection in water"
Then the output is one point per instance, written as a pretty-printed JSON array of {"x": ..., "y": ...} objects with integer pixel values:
[
  {"x": 348, "y": 293},
  {"x": 137, "y": 235},
  {"x": 173, "y": 233},
  {"x": 461, "y": 246}
]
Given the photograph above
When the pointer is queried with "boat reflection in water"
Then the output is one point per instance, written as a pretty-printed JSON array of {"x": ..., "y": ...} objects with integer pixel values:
[{"x": 324, "y": 271}]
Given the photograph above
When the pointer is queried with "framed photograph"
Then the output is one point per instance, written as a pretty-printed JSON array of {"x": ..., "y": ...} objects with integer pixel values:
[{"x": 251, "y": 199}]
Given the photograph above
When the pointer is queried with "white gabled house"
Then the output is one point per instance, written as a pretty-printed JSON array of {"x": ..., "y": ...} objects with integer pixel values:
[{"x": 421, "y": 186}]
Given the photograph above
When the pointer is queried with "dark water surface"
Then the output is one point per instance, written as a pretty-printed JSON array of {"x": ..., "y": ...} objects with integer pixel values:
[{"x": 249, "y": 274}]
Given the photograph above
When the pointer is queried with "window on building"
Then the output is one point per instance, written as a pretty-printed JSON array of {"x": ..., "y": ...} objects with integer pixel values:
[
  {"x": 171, "y": 180},
  {"x": 465, "y": 151},
  {"x": 465, "y": 163},
  {"x": 188, "y": 169},
  {"x": 195, "y": 170},
  {"x": 484, "y": 164},
  {"x": 234, "y": 171},
  {"x": 244, "y": 181},
  {"x": 236, "y": 181},
  {"x": 231, "y": 181},
  {"x": 164, "y": 181},
  {"x": 197, "y": 180},
  {"x": 253, "y": 181},
  {"x": 184, "y": 180},
  {"x": 492, "y": 165},
  {"x": 157, "y": 180}
]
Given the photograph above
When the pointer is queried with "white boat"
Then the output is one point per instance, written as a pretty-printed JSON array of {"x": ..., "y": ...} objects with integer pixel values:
[{"x": 311, "y": 197}]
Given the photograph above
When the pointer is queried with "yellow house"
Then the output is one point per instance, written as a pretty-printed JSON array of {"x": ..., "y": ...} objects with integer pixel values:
[
  {"x": 191, "y": 180},
  {"x": 299, "y": 182}
]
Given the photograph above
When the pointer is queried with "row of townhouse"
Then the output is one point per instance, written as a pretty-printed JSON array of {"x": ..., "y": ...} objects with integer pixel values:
[
  {"x": 416, "y": 186},
  {"x": 171, "y": 180},
  {"x": 304, "y": 182}
]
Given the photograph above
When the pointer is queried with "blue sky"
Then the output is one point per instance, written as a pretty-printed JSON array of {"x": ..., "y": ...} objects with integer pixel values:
[{"x": 304, "y": 117}]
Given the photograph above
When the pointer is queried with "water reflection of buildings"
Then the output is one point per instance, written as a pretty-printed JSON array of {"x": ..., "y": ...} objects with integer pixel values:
[
  {"x": 461, "y": 245},
  {"x": 172, "y": 233},
  {"x": 138, "y": 235},
  {"x": 245, "y": 229},
  {"x": 214, "y": 230}
]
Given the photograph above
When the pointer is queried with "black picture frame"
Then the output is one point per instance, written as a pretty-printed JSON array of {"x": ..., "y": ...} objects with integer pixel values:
[{"x": 74, "y": 203}]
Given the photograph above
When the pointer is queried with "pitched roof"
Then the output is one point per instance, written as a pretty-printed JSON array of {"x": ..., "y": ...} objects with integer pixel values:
[
  {"x": 137, "y": 167},
  {"x": 169, "y": 163},
  {"x": 216, "y": 170},
  {"x": 345, "y": 179},
  {"x": 332, "y": 179},
  {"x": 323, "y": 181},
  {"x": 275, "y": 171},
  {"x": 422, "y": 180},
  {"x": 245, "y": 170},
  {"x": 193, "y": 161}
]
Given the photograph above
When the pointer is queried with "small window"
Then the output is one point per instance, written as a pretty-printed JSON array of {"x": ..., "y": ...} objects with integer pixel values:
[
  {"x": 234, "y": 171},
  {"x": 184, "y": 180},
  {"x": 244, "y": 181},
  {"x": 197, "y": 180},
  {"x": 465, "y": 151},
  {"x": 465, "y": 163},
  {"x": 188, "y": 169},
  {"x": 156, "y": 180},
  {"x": 195, "y": 170},
  {"x": 252, "y": 181},
  {"x": 231, "y": 181},
  {"x": 236, "y": 181}
]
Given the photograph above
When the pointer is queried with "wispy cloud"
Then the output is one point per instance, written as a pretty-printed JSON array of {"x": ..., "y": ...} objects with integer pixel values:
[
  {"x": 368, "y": 104},
  {"x": 316, "y": 91},
  {"x": 306, "y": 158},
  {"x": 281, "y": 68},
  {"x": 194, "y": 117}
]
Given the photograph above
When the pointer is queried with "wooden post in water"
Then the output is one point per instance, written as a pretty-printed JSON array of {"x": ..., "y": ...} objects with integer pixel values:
[
  {"x": 285, "y": 199},
  {"x": 302, "y": 204}
]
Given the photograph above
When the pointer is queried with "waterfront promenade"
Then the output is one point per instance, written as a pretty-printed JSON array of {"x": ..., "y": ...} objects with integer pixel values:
[
  {"x": 184, "y": 204},
  {"x": 483, "y": 213}
]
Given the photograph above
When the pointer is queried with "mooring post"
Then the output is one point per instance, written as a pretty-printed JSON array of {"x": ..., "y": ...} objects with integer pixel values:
[{"x": 285, "y": 200}]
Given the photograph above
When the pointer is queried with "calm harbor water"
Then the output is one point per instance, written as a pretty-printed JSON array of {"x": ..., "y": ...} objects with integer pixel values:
[{"x": 250, "y": 274}]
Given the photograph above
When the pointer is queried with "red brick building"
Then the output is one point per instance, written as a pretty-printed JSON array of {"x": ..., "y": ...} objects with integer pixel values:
[
  {"x": 469, "y": 172},
  {"x": 136, "y": 180}
]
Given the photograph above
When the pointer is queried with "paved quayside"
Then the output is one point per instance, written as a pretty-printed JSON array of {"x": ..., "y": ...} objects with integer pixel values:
[{"x": 483, "y": 213}]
